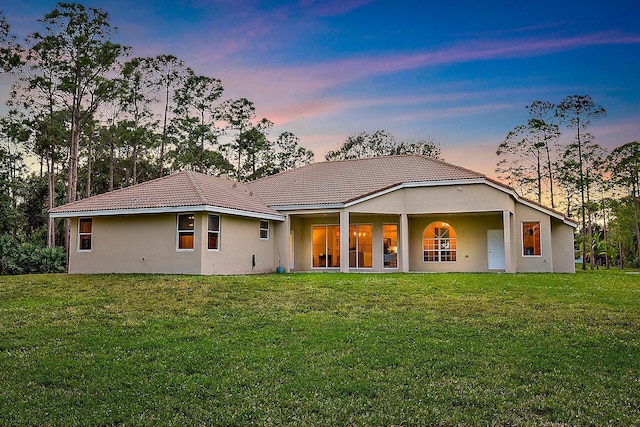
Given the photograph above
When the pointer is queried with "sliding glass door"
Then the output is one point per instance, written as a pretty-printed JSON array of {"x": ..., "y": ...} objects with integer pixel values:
[
  {"x": 326, "y": 246},
  {"x": 360, "y": 246}
]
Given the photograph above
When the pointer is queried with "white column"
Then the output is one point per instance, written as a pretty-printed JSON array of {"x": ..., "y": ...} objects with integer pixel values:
[
  {"x": 404, "y": 243},
  {"x": 508, "y": 246},
  {"x": 344, "y": 241}
]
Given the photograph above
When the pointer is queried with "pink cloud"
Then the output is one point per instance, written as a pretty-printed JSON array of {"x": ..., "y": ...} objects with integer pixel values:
[
  {"x": 305, "y": 109},
  {"x": 312, "y": 78}
]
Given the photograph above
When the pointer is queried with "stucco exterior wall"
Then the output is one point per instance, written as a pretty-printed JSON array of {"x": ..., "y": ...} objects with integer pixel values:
[
  {"x": 134, "y": 244},
  {"x": 147, "y": 244},
  {"x": 562, "y": 238},
  {"x": 471, "y": 236},
  {"x": 441, "y": 199},
  {"x": 456, "y": 199},
  {"x": 239, "y": 242},
  {"x": 531, "y": 264}
]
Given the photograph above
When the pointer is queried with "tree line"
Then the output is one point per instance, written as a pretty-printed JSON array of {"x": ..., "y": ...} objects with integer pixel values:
[{"x": 580, "y": 177}]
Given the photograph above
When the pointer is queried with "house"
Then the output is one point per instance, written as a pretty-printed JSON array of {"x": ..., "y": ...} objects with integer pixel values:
[{"x": 406, "y": 213}]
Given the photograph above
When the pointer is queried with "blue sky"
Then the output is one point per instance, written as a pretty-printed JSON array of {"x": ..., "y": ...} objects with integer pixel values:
[{"x": 457, "y": 72}]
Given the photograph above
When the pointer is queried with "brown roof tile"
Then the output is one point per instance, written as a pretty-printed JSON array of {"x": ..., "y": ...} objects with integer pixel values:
[
  {"x": 180, "y": 189},
  {"x": 340, "y": 182}
]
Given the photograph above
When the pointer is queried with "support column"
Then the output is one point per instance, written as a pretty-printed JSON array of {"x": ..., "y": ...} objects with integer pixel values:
[
  {"x": 284, "y": 246},
  {"x": 344, "y": 241},
  {"x": 508, "y": 246},
  {"x": 404, "y": 243}
]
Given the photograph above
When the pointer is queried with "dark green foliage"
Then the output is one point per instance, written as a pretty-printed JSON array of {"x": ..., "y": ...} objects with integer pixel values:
[
  {"x": 527, "y": 151},
  {"x": 381, "y": 143},
  {"x": 33, "y": 209},
  {"x": 9, "y": 50},
  {"x": 29, "y": 258},
  {"x": 9, "y": 254}
]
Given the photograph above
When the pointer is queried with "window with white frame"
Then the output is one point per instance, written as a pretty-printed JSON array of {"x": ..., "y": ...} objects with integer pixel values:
[
  {"x": 264, "y": 230},
  {"x": 186, "y": 231},
  {"x": 85, "y": 234},
  {"x": 213, "y": 240},
  {"x": 439, "y": 243},
  {"x": 531, "y": 239}
]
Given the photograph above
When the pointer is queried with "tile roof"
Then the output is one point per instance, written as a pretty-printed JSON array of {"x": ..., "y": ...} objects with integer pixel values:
[
  {"x": 343, "y": 181},
  {"x": 317, "y": 184},
  {"x": 186, "y": 188}
]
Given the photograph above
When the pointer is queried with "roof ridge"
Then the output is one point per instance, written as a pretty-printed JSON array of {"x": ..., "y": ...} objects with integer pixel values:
[
  {"x": 444, "y": 162},
  {"x": 358, "y": 159},
  {"x": 196, "y": 185}
]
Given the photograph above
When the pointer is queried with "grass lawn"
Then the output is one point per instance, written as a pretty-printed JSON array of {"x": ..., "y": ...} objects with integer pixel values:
[{"x": 321, "y": 349}]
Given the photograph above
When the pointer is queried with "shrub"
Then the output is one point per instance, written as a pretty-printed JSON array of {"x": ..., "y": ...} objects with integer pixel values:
[
  {"x": 52, "y": 260},
  {"x": 9, "y": 249},
  {"x": 29, "y": 258}
]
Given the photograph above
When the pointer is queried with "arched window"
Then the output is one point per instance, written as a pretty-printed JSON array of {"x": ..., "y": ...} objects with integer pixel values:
[{"x": 439, "y": 242}]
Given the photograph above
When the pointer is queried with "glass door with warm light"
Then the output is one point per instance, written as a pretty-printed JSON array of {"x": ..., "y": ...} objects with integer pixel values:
[
  {"x": 390, "y": 245},
  {"x": 326, "y": 246},
  {"x": 360, "y": 246}
]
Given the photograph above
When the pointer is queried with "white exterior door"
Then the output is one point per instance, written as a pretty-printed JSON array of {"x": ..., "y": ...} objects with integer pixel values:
[{"x": 495, "y": 249}]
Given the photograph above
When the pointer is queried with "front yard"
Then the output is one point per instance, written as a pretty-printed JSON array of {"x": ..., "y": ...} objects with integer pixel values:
[{"x": 321, "y": 349}]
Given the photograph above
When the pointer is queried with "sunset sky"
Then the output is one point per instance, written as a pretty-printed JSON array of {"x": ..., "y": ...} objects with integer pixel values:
[{"x": 457, "y": 72}]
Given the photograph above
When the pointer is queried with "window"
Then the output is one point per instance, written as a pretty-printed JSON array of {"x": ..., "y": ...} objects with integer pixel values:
[
  {"x": 439, "y": 242},
  {"x": 264, "y": 230},
  {"x": 326, "y": 246},
  {"x": 360, "y": 246},
  {"x": 85, "y": 227},
  {"x": 213, "y": 240},
  {"x": 390, "y": 245},
  {"x": 531, "y": 239},
  {"x": 186, "y": 226}
]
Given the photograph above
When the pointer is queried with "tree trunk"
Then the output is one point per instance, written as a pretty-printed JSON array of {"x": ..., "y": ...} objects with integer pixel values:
[
  {"x": 539, "y": 174},
  {"x": 550, "y": 177},
  {"x": 201, "y": 161},
  {"x": 590, "y": 223},
  {"x": 636, "y": 217},
  {"x": 88, "y": 192},
  {"x": 134, "y": 158},
  {"x": 582, "y": 201},
  {"x": 620, "y": 257},
  {"x": 73, "y": 169},
  {"x": 164, "y": 132},
  {"x": 606, "y": 238},
  {"x": 51, "y": 232}
]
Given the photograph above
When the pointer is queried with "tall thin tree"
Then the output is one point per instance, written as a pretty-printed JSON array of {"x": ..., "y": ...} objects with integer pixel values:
[
  {"x": 169, "y": 75},
  {"x": 577, "y": 111},
  {"x": 84, "y": 52},
  {"x": 624, "y": 165}
]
